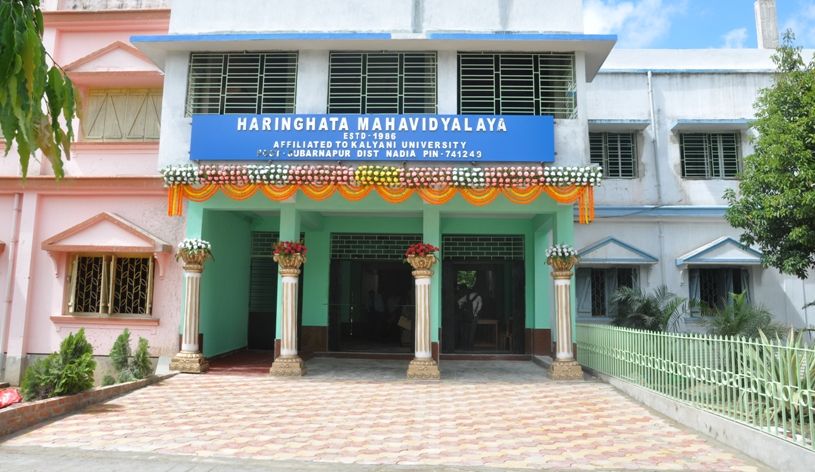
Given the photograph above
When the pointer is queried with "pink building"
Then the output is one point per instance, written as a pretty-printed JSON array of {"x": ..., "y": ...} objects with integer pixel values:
[{"x": 96, "y": 243}]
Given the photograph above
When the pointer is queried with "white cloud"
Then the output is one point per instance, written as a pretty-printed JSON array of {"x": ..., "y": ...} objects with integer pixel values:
[
  {"x": 735, "y": 38},
  {"x": 638, "y": 23},
  {"x": 802, "y": 23}
]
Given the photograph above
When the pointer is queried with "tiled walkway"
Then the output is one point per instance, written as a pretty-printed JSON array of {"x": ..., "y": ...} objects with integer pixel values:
[{"x": 493, "y": 414}]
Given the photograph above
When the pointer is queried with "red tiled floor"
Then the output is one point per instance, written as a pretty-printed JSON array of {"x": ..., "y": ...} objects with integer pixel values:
[
  {"x": 491, "y": 414},
  {"x": 242, "y": 363}
]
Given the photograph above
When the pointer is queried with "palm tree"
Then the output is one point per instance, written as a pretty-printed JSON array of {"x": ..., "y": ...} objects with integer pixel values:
[{"x": 659, "y": 310}]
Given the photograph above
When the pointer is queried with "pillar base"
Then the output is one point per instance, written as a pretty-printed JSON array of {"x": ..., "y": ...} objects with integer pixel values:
[
  {"x": 189, "y": 362},
  {"x": 565, "y": 370},
  {"x": 288, "y": 367},
  {"x": 423, "y": 369}
]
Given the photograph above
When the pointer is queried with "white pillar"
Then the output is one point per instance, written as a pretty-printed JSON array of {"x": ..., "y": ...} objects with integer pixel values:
[
  {"x": 423, "y": 367},
  {"x": 564, "y": 319},
  {"x": 564, "y": 367},
  {"x": 422, "y": 327},
  {"x": 289, "y": 364},
  {"x": 190, "y": 359}
]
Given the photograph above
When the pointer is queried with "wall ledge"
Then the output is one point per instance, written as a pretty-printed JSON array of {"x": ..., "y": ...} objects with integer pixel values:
[{"x": 92, "y": 320}]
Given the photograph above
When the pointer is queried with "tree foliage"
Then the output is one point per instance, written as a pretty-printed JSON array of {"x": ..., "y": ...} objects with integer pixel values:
[
  {"x": 36, "y": 101},
  {"x": 775, "y": 205}
]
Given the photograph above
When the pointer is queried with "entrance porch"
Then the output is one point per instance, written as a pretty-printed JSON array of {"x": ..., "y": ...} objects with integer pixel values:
[{"x": 355, "y": 290}]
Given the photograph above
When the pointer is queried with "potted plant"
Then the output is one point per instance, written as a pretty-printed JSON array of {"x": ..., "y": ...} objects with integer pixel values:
[
  {"x": 194, "y": 252},
  {"x": 290, "y": 254},
  {"x": 562, "y": 257},
  {"x": 421, "y": 256}
]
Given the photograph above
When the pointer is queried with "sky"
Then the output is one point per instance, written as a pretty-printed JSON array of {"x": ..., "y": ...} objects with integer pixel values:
[{"x": 693, "y": 23}]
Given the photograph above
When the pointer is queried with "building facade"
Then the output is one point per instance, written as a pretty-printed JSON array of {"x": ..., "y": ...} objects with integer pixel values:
[{"x": 668, "y": 128}]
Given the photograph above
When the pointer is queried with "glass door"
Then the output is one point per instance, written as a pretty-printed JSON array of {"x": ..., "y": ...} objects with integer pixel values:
[{"x": 483, "y": 307}]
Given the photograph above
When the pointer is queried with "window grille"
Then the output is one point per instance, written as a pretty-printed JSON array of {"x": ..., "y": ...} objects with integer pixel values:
[
  {"x": 224, "y": 83},
  {"x": 111, "y": 285},
  {"x": 596, "y": 288},
  {"x": 616, "y": 153},
  {"x": 517, "y": 84},
  {"x": 716, "y": 285},
  {"x": 384, "y": 82},
  {"x": 123, "y": 115},
  {"x": 710, "y": 155}
]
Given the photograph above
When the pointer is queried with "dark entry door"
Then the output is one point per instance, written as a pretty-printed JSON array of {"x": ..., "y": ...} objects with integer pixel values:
[
  {"x": 371, "y": 306},
  {"x": 262, "y": 304},
  {"x": 483, "y": 307}
]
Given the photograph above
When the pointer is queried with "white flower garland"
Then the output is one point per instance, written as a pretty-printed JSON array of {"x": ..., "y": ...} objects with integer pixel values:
[{"x": 467, "y": 177}]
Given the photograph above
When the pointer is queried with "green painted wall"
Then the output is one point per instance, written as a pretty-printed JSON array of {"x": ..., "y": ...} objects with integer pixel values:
[{"x": 225, "y": 282}]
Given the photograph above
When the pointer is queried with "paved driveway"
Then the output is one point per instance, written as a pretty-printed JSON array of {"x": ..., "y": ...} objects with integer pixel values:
[{"x": 488, "y": 414}]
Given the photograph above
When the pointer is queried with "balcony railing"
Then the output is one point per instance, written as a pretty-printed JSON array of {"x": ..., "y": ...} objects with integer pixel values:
[{"x": 91, "y": 5}]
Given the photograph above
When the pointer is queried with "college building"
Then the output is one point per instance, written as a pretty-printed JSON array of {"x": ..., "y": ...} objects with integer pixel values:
[{"x": 492, "y": 129}]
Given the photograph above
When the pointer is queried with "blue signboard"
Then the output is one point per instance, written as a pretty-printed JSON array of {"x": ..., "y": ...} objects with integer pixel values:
[{"x": 399, "y": 138}]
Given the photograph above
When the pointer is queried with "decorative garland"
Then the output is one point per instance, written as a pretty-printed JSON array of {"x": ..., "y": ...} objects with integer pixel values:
[
  {"x": 435, "y": 185},
  {"x": 386, "y": 176}
]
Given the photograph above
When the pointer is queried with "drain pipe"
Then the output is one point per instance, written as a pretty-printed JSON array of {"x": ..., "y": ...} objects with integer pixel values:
[
  {"x": 12, "y": 263},
  {"x": 655, "y": 146}
]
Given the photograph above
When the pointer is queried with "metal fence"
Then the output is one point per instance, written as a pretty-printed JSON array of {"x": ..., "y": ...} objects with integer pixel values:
[{"x": 766, "y": 384}]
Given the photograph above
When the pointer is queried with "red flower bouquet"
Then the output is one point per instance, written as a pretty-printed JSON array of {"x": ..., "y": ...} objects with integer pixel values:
[{"x": 420, "y": 249}]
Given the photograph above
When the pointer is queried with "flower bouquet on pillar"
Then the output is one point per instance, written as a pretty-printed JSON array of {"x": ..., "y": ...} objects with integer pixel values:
[
  {"x": 193, "y": 253},
  {"x": 290, "y": 256},
  {"x": 562, "y": 258},
  {"x": 421, "y": 256}
]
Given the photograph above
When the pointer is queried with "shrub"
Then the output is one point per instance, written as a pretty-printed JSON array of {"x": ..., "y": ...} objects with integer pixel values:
[
  {"x": 737, "y": 317},
  {"x": 141, "y": 360},
  {"x": 660, "y": 310},
  {"x": 128, "y": 366},
  {"x": 66, "y": 372}
]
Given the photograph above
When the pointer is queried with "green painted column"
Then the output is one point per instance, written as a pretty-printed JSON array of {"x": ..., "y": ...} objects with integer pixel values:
[
  {"x": 544, "y": 224},
  {"x": 431, "y": 234},
  {"x": 289, "y": 231},
  {"x": 316, "y": 277}
]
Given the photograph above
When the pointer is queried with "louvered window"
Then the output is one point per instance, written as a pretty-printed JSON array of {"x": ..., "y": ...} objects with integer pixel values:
[
  {"x": 259, "y": 82},
  {"x": 123, "y": 115},
  {"x": 710, "y": 155},
  {"x": 616, "y": 153},
  {"x": 517, "y": 84},
  {"x": 398, "y": 82},
  {"x": 111, "y": 285}
]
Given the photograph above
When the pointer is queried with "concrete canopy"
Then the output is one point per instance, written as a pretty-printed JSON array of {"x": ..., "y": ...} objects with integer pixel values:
[
  {"x": 724, "y": 251},
  {"x": 596, "y": 47}
]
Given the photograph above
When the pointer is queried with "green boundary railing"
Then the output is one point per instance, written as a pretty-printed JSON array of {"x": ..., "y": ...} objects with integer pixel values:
[{"x": 769, "y": 385}]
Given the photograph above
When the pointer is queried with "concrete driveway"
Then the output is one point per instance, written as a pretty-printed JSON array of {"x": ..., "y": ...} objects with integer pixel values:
[{"x": 497, "y": 415}]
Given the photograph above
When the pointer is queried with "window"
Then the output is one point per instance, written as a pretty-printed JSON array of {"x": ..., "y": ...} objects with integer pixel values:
[
  {"x": 596, "y": 287},
  {"x": 517, "y": 84},
  {"x": 711, "y": 287},
  {"x": 616, "y": 153},
  {"x": 110, "y": 284},
  {"x": 710, "y": 155},
  {"x": 123, "y": 115},
  {"x": 224, "y": 83},
  {"x": 398, "y": 82}
]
